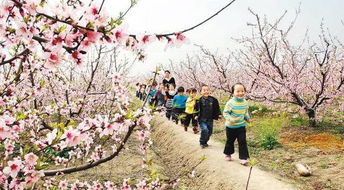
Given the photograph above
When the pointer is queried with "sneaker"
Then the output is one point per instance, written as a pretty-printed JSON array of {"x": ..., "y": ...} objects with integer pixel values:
[
  {"x": 204, "y": 145},
  {"x": 244, "y": 162},
  {"x": 195, "y": 130},
  {"x": 228, "y": 157},
  {"x": 185, "y": 128}
]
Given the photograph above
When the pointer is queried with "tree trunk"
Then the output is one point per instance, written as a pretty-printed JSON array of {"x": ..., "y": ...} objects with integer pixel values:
[{"x": 311, "y": 116}]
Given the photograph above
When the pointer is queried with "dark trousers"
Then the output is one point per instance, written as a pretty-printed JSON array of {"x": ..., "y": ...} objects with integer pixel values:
[
  {"x": 190, "y": 118},
  {"x": 240, "y": 134},
  {"x": 206, "y": 131},
  {"x": 176, "y": 113},
  {"x": 169, "y": 113}
]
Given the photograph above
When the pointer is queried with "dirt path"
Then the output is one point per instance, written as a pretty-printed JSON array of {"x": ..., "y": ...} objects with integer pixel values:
[{"x": 181, "y": 150}]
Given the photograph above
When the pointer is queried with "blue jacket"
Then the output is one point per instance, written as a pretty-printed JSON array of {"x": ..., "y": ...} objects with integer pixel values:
[{"x": 179, "y": 101}]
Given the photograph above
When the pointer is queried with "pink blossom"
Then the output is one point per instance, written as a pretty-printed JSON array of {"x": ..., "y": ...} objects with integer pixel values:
[
  {"x": 2, "y": 178},
  {"x": 16, "y": 184},
  {"x": 86, "y": 43},
  {"x": 9, "y": 147},
  {"x": 108, "y": 130},
  {"x": 120, "y": 34},
  {"x": 180, "y": 37},
  {"x": 2, "y": 102},
  {"x": 142, "y": 134},
  {"x": 54, "y": 57},
  {"x": 125, "y": 185},
  {"x": 117, "y": 77},
  {"x": 33, "y": 177},
  {"x": 8, "y": 119},
  {"x": 97, "y": 185},
  {"x": 4, "y": 131},
  {"x": 51, "y": 136},
  {"x": 143, "y": 149},
  {"x": 31, "y": 159},
  {"x": 72, "y": 137},
  {"x": 13, "y": 167},
  {"x": 31, "y": 6},
  {"x": 69, "y": 39},
  {"x": 93, "y": 36},
  {"x": 180, "y": 40},
  {"x": 141, "y": 185},
  {"x": 93, "y": 10},
  {"x": 63, "y": 184},
  {"x": 95, "y": 156},
  {"x": 110, "y": 185},
  {"x": 146, "y": 39},
  {"x": 48, "y": 182}
]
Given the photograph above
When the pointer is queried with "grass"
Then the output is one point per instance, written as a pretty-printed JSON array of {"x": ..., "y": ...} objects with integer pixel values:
[
  {"x": 277, "y": 140},
  {"x": 266, "y": 130},
  {"x": 298, "y": 121},
  {"x": 218, "y": 130},
  {"x": 323, "y": 165}
]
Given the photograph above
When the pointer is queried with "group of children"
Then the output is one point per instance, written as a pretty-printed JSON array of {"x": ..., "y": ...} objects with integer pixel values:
[{"x": 202, "y": 111}]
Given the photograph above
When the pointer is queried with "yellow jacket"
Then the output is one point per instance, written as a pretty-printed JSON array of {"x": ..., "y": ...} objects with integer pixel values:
[{"x": 190, "y": 105}]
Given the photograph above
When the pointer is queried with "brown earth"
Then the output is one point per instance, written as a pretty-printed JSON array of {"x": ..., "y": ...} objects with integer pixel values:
[{"x": 181, "y": 152}]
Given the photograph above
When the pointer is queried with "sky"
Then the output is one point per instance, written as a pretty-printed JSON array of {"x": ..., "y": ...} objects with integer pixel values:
[{"x": 160, "y": 16}]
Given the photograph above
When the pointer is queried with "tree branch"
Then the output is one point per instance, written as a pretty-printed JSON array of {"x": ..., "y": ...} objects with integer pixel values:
[{"x": 92, "y": 164}]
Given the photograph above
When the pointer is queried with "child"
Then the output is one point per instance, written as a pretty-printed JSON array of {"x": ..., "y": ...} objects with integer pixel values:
[
  {"x": 142, "y": 91},
  {"x": 190, "y": 111},
  {"x": 138, "y": 86},
  {"x": 187, "y": 92},
  {"x": 236, "y": 115},
  {"x": 151, "y": 94},
  {"x": 179, "y": 104},
  {"x": 159, "y": 97},
  {"x": 170, "y": 93},
  {"x": 208, "y": 109}
]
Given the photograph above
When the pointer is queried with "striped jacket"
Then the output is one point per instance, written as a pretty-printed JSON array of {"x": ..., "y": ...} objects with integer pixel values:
[{"x": 236, "y": 110}]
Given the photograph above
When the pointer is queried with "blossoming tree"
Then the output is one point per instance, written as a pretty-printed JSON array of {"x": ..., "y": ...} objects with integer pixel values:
[
  {"x": 51, "y": 113},
  {"x": 309, "y": 75}
]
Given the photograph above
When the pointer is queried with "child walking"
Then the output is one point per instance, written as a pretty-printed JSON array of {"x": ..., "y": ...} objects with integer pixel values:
[
  {"x": 159, "y": 97},
  {"x": 169, "y": 93},
  {"x": 179, "y": 104},
  {"x": 190, "y": 111},
  {"x": 151, "y": 94},
  {"x": 236, "y": 115},
  {"x": 208, "y": 109}
]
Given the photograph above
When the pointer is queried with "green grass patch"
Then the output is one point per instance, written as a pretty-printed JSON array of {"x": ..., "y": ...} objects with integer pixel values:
[
  {"x": 266, "y": 130},
  {"x": 299, "y": 121},
  {"x": 331, "y": 125},
  {"x": 323, "y": 165},
  {"x": 260, "y": 108},
  {"x": 218, "y": 130}
]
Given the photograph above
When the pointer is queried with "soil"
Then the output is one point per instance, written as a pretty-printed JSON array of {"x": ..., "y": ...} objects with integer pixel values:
[
  {"x": 176, "y": 153},
  {"x": 180, "y": 151}
]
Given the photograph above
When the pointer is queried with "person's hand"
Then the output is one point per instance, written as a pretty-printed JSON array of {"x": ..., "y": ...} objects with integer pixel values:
[
  {"x": 196, "y": 117},
  {"x": 232, "y": 122},
  {"x": 249, "y": 120},
  {"x": 220, "y": 116}
]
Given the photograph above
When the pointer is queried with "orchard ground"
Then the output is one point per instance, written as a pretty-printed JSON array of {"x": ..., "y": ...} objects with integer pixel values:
[{"x": 277, "y": 141}]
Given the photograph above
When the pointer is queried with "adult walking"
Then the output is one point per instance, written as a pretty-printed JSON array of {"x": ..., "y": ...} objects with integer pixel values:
[{"x": 168, "y": 80}]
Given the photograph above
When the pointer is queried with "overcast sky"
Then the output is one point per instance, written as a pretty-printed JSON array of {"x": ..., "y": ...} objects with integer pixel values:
[{"x": 158, "y": 16}]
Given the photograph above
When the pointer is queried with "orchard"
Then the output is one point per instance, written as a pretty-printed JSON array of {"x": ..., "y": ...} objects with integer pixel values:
[{"x": 67, "y": 105}]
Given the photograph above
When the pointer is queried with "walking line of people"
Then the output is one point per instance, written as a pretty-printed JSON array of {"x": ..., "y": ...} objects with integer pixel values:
[{"x": 187, "y": 107}]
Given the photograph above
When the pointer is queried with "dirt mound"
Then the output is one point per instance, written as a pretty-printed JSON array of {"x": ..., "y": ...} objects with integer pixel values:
[
  {"x": 180, "y": 152},
  {"x": 323, "y": 141}
]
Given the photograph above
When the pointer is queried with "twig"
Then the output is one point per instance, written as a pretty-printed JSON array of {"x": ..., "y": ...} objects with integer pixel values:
[
  {"x": 199, "y": 24},
  {"x": 144, "y": 103},
  {"x": 249, "y": 176}
]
